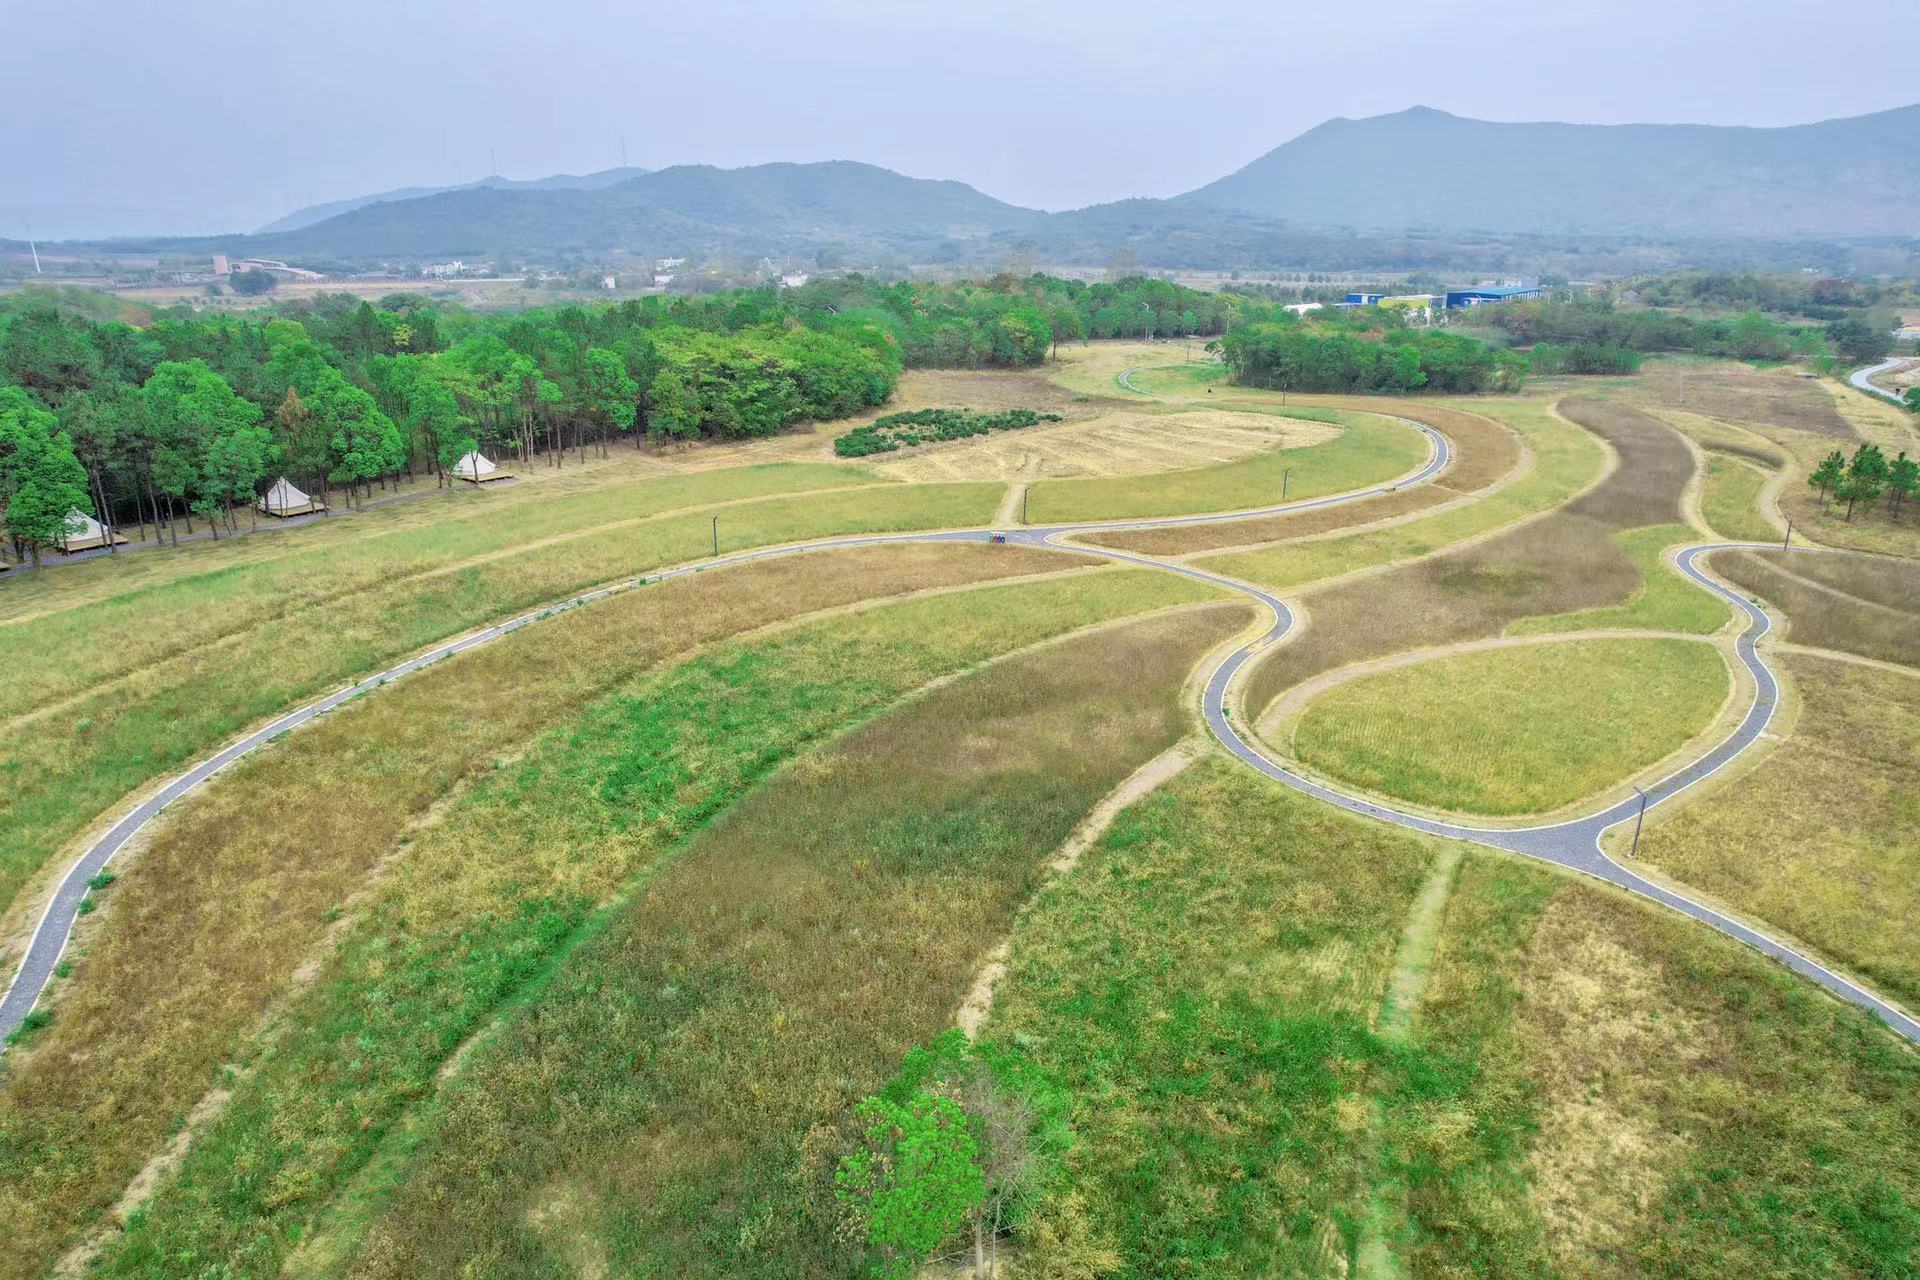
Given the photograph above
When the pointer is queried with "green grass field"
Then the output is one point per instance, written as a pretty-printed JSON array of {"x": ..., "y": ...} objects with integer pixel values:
[
  {"x": 1731, "y": 500},
  {"x": 93, "y": 738},
  {"x": 1205, "y": 985},
  {"x": 1565, "y": 459},
  {"x": 1371, "y": 451},
  {"x": 1514, "y": 730},
  {"x": 479, "y": 901}
]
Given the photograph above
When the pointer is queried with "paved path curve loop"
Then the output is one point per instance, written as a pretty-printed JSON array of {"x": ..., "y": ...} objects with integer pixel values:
[{"x": 1573, "y": 843}]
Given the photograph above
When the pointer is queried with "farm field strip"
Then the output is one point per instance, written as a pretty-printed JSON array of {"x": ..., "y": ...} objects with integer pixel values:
[
  {"x": 107, "y": 745},
  {"x": 774, "y": 971},
  {"x": 470, "y": 902}
]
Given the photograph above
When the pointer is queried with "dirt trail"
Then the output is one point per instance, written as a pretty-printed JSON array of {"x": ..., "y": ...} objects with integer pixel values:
[{"x": 1155, "y": 773}]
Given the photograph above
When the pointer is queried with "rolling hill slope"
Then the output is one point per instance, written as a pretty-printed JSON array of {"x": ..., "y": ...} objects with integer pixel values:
[{"x": 1424, "y": 168}]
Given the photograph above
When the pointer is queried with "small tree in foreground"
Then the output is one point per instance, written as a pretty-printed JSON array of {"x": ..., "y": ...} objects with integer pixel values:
[
  {"x": 964, "y": 1142},
  {"x": 1827, "y": 476}
]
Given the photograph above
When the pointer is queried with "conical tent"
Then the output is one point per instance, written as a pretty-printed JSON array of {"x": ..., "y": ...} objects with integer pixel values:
[
  {"x": 475, "y": 469},
  {"x": 89, "y": 534},
  {"x": 285, "y": 500}
]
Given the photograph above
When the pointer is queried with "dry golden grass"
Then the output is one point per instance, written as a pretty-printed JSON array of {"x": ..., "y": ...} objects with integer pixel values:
[
  {"x": 207, "y": 924},
  {"x": 1823, "y": 838},
  {"x": 1563, "y": 562},
  {"x": 1117, "y": 442},
  {"x": 1740, "y": 393},
  {"x": 1867, "y": 605},
  {"x": 1641, "y": 1097},
  {"x": 1484, "y": 452},
  {"x": 678, "y": 1075},
  {"x": 1093, "y": 368}
]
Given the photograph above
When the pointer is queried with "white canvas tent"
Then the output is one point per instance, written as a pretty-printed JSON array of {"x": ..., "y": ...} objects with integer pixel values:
[
  {"x": 90, "y": 535},
  {"x": 285, "y": 501},
  {"x": 475, "y": 469}
]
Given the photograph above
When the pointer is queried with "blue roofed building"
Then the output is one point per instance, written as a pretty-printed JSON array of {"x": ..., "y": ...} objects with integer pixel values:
[
  {"x": 1364, "y": 299},
  {"x": 1480, "y": 295}
]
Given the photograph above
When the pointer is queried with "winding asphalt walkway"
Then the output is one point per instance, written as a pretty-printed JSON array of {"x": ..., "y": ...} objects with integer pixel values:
[
  {"x": 1573, "y": 843},
  {"x": 1862, "y": 379}
]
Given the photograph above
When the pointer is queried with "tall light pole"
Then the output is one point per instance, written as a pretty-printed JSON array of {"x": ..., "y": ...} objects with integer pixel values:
[
  {"x": 1638, "y": 819},
  {"x": 716, "y": 535},
  {"x": 1789, "y": 536}
]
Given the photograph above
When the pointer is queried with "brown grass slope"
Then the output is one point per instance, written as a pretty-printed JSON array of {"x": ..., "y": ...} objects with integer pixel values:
[
  {"x": 1562, "y": 562},
  {"x": 1856, "y": 604}
]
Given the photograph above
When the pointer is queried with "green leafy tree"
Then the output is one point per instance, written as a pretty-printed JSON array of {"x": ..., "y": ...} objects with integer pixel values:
[
  {"x": 41, "y": 480},
  {"x": 913, "y": 1181},
  {"x": 1865, "y": 479},
  {"x": 252, "y": 284},
  {"x": 189, "y": 407}
]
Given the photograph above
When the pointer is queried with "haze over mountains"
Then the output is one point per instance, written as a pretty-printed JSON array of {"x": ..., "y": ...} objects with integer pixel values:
[{"x": 1373, "y": 187}]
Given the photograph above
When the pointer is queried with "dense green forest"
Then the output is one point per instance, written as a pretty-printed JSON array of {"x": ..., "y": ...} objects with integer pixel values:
[
  {"x": 1749, "y": 335},
  {"x": 1364, "y": 349},
  {"x": 188, "y": 414}
]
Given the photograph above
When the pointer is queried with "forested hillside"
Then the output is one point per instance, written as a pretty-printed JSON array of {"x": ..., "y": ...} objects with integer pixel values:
[{"x": 187, "y": 414}]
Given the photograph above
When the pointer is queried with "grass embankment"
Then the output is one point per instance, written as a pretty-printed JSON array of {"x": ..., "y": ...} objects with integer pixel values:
[
  {"x": 1564, "y": 561},
  {"x": 1640, "y": 1096},
  {"x": 1565, "y": 459},
  {"x": 483, "y": 899},
  {"x": 1483, "y": 452},
  {"x": 183, "y": 959},
  {"x": 1206, "y": 985},
  {"x": 1665, "y": 601},
  {"x": 1856, "y": 604},
  {"x": 1514, "y": 730},
  {"x": 1372, "y": 450},
  {"x": 1820, "y": 839},
  {"x": 1730, "y": 503},
  {"x": 664, "y": 1108},
  {"x": 123, "y": 725}
]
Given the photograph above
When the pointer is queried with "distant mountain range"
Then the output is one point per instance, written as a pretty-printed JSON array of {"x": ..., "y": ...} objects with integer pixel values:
[
  {"x": 1418, "y": 188},
  {"x": 307, "y": 217},
  {"x": 1425, "y": 168}
]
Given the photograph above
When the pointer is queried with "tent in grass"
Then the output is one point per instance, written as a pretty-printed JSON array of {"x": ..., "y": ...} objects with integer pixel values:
[
  {"x": 475, "y": 469},
  {"x": 285, "y": 501},
  {"x": 90, "y": 535}
]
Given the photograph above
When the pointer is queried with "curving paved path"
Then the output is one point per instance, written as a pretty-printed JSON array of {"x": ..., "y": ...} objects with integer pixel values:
[
  {"x": 1862, "y": 380},
  {"x": 1573, "y": 843}
]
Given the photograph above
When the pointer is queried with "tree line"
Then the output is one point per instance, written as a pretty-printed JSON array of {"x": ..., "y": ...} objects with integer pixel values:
[
  {"x": 179, "y": 416},
  {"x": 1364, "y": 350},
  {"x": 1598, "y": 323}
]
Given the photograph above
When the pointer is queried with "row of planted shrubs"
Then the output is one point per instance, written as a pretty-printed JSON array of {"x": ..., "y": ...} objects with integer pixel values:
[{"x": 925, "y": 426}]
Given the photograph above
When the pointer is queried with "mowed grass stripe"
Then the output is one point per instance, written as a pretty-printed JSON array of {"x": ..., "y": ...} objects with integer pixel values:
[
  {"x": 1515, "y": 730},
  {"x": 482, "y": 898},
  {"x": 60, "y": 774},
  {"x": 1372, "y": 450},
  {"x": 660, "y": 1111},
  {"x": 207, "y": 924},
  {"x": 1205, "y": 985}
]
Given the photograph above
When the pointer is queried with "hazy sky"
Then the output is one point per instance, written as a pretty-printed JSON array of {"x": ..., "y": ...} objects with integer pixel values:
[{"x": 219, "y": 115}]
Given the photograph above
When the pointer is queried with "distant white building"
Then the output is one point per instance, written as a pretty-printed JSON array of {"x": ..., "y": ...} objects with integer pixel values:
[
  {"x": 794, "y": 279},
  {"x": 662, "y": 281},
  {"x": 667, "y": 264},
  {"x": 1301, "y": 308},
  {"x": 443, "y": 270},
  {"x": 609, "y": 282}
]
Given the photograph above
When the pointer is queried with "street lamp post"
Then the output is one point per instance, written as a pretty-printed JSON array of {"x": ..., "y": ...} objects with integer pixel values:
[
  {"x": 716, "y": 535},
  {"x": 1638, "y": 819}
]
